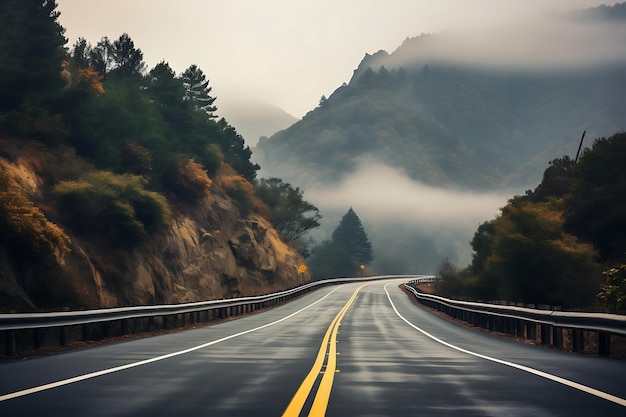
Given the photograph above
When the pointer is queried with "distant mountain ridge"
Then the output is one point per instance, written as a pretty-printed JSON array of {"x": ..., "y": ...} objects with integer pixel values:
[
  {"x": 450, "y": 123},
  {"x": 255, "y": 119}
]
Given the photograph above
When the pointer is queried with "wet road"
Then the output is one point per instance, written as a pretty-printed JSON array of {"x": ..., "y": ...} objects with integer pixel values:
[{"x": 348, "y": 350}]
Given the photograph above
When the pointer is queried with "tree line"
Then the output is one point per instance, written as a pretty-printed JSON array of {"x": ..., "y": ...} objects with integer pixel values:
[{"x": 562, "y": 243}]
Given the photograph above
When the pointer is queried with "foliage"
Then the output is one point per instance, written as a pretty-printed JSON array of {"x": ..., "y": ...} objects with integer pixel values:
[
  {"x": 128, "y": 59},
  {"x": 613, "y": 290},
  {"x": 31, "y": 53},
  {"x": 548, "y": 246},
  {"x": 534, "y": 261},
  {"x": 329, "y": 260},
  {"x": 556, "y": 182},
  {"x": 289, "y": 213},
  {"x": 350, "y": 235},
  {"x": 450, "y": 282},
  {"x": 239, "y": 189},
  {"x": 115, "y": 207},
  {"x": 596, "y": 206},
  {"x": 525, "y": 255},
  {"x": 192, "y": 181},
  {"x": 24, "y": 225},
  {"x": 197, "y": 90}
]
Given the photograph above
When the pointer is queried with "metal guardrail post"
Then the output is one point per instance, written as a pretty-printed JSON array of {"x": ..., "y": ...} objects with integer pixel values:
[
  {"x": 86, "y": 328},
  {"x": 604, "y": 343},
  {"x": 10, "y": 345},
  {"x": 577, "y": 340},
  {"x": 64, "y": 336},
  {"x": 545, "y": 334},
  {"x": 557, "y": 337}
]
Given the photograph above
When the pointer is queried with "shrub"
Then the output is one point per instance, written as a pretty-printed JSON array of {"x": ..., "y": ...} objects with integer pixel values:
[
  {"x": 25, "y": 224},
  {"x": 240, "y": 190},
  {"x": 116, "y": 207},
  {"x": 191, "y": 181}
]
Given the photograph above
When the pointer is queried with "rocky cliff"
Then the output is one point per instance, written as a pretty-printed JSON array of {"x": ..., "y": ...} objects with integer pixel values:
[{"x": 208, "y": 251}]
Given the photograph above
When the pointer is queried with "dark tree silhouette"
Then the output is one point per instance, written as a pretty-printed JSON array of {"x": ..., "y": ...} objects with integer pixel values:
[
  {"x": 351, "y": 236},
  {"x": 128, "y": 59},
  {"x": 31, "y": 52},
  {"x": 197, "y": 90}
]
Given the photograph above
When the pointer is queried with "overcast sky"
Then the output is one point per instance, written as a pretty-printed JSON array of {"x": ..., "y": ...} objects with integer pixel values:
[{"x": 285, "y": 52}]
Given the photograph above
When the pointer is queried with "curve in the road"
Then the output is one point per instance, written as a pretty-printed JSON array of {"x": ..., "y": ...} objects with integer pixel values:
[{"x": 567, "y": 382}]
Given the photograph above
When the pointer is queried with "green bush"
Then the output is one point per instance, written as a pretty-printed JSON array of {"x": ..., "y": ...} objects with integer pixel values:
[{"x": 115, "y": 207}]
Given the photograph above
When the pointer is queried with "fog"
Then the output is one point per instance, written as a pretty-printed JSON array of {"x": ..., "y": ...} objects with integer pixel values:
[
  {"x": 529, "y": 41},
  {"x": 384, "y": 193},
  {"x": 290, "y": 53},
  {"x": 412, "y": 226}
]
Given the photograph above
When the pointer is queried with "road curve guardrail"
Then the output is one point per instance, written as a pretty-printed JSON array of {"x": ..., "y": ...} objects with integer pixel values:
[
  {"x": 25, "y": 331},
  {"x": 549, "y": 327}
]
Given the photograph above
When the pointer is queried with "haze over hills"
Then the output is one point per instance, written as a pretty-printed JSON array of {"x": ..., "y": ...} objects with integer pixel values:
[
  {"x": 483, "y": 111},
  {"x": 254, "y": 119}
]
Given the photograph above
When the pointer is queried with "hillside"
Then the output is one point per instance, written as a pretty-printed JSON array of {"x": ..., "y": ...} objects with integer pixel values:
[
  {"x": 451, "y": 120},
  {"x": 119, "y": 185}
]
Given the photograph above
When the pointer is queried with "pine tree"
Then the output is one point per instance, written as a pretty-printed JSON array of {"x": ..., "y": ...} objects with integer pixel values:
[
  {"x": 197, "y": 90},
  {"x": 128, "y": 59},
  {"x": 31, "y": 51},
  {"x": 351, "y": 236}
]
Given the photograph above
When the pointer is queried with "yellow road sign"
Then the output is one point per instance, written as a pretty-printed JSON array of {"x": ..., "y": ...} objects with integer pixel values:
[{"x": 302, "y": 268}]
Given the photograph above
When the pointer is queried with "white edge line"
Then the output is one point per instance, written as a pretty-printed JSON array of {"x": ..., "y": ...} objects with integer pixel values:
[
  {"x": 572, "y": 384},
  {"x": 90, "y": 375}
]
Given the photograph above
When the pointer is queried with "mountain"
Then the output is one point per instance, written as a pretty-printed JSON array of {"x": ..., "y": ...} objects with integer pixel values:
[
  {"x": 451, "y": 120},
  {"x": 254, "y": 119},
  {"x": 425, "y": 140}
]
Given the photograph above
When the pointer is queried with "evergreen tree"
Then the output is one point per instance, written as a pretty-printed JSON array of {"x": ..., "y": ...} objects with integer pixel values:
[
  {"x": 31, "y": 52},
  {"x": 80, "y": 53},
  {"x": 128, "y": 59},
  {"x": 163, "y": 86},
  {"x": 100, "y": 57},
  {"x": 351, "y": 236},
  {"x": 197, "y": 90}
]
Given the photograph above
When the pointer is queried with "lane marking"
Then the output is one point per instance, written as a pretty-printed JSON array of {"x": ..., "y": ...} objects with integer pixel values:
[
  {"x": 328, "y": 352},
  {"x": 560, "y": 380},
  {"x": 96, "y": 374}
]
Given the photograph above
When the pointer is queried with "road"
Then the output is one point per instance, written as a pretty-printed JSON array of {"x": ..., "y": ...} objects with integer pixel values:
[{"x": 348, "y": 350}]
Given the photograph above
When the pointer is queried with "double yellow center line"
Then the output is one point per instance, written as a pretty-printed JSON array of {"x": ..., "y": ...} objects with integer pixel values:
[{"x": 329, "y": 344}]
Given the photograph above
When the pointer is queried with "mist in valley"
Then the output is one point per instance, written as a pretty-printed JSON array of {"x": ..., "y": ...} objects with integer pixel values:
[{"x": 412, "y": 226}]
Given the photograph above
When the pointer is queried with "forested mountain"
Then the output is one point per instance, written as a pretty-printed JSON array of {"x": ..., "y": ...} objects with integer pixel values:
[
  {"x": 454, "y": 113},
  {"x": 451, "y": 121}
]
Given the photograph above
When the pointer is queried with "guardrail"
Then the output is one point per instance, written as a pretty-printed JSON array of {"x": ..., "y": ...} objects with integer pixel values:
[
  {"x": 549, "y": 327},
  {"x": 26, "y": 331}
]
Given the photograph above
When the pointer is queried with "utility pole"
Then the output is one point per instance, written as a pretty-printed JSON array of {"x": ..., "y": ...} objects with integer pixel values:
[{"x": 580, "y": 147}]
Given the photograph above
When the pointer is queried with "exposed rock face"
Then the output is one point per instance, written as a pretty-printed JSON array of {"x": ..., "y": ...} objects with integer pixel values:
[{"x": 207, "y": 252}]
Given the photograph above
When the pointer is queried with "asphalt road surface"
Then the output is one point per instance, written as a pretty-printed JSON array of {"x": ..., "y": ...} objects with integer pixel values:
[{"x": 348, "y": 350}]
